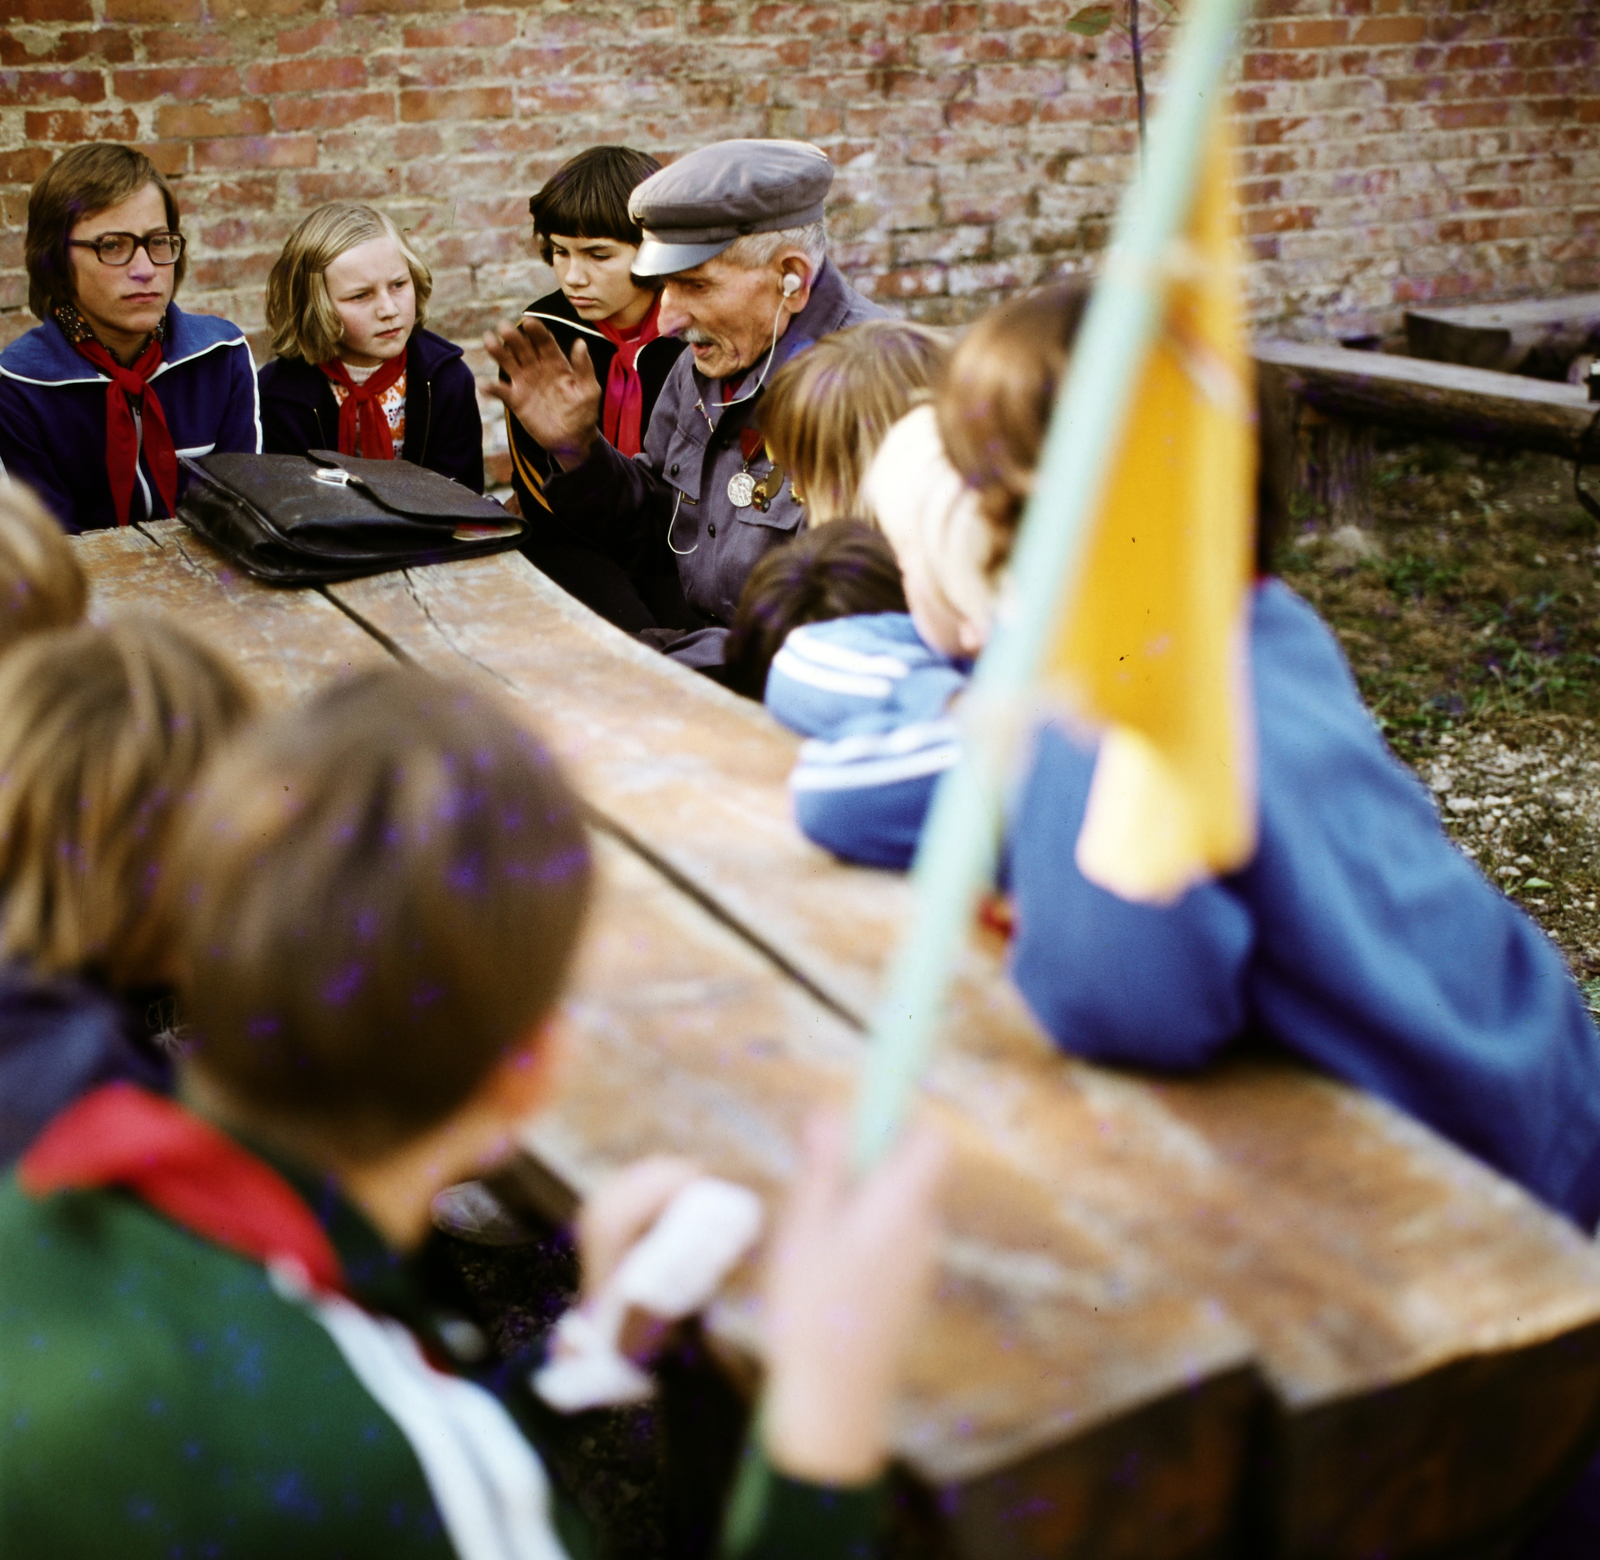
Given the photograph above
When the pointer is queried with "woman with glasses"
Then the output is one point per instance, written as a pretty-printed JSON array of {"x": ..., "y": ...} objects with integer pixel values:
[{"x": 98, "y": 404}]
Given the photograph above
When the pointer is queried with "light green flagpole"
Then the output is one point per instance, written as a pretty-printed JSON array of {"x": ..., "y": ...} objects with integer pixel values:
[
  {"x": 959, "y": 843},
  {"x": 955, "y": 860}
]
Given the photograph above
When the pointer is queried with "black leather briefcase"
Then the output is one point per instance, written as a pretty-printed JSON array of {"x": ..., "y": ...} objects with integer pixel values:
[{"x": 303, "y": 519}]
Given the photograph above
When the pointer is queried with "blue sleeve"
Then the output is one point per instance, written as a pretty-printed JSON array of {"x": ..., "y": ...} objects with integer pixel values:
[
  {"x": 25, "y": 454},
  {"x": 239, "y": 427},
  {"x": 859, "y": 674},
  {"x": 1109, "y": 980}
]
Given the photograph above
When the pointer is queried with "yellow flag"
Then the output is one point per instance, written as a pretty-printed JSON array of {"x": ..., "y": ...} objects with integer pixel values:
[{"x": 1153, "y": 643}]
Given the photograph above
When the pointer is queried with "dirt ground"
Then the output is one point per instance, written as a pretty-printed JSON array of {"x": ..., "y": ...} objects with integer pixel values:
[{"x": 1468, "y": 611}]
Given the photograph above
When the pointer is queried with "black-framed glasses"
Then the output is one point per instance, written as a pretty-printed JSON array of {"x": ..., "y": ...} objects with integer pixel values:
[{"x": 120, "y": 248}]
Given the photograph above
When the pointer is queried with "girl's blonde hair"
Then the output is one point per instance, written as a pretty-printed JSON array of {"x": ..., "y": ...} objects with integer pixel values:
[
  {"x": 41, "y": 583},
  {"x": 302, "y": 317},
  {"x": 103, "y": 734},
  {"x": 827, "y": 410}
]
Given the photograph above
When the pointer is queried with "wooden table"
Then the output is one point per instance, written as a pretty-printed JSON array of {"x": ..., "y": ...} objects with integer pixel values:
[{"x": 1255, "y": 1312}]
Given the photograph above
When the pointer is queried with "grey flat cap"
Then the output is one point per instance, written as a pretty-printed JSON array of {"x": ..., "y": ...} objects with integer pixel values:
[{"x": 697, "y": 206}]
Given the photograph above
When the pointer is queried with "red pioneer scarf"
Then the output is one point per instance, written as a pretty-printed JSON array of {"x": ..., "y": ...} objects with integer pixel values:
[
  {"x": 622, "y": 415},
  {"x": 122, "y": 433},
  {"x": 363, "y": 427},
  {"x": 200, "y": 1178}
]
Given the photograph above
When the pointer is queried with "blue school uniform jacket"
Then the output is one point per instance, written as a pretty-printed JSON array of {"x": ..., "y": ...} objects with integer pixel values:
[
  {"x": 53, "y": 414},
  {"x": 874, "y": 699},
  {"x": 1358, "y": 936}
]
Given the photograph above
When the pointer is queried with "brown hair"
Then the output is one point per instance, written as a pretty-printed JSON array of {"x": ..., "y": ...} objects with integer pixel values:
[
  {"x": 996, "y": 400},
  {"x": 78, "y": 184},
  {"x": 587, "y": 197},
  {"x": 827, "y": 410},
  {"x": 834, "y": 571},
  {"x": 379, "y": 894},
  {"x": 103, "y": 735},
  {"x": 300, "y": 313},
  {"x": 41, "y": 583},
  {"x": 998, "y": 392}
]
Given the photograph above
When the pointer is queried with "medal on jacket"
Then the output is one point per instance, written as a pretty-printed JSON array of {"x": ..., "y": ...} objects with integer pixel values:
[{"x": 741, "y": 489}]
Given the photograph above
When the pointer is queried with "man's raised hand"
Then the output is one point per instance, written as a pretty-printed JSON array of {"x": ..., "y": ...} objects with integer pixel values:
[{"x": 557, "y": 402}]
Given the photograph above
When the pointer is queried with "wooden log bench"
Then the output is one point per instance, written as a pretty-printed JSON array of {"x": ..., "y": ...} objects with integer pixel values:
[
  {"x": 1537, "y": 336},
  {"x": 1340, "y": 395},
  {"x": 1253, "y": 1312}
]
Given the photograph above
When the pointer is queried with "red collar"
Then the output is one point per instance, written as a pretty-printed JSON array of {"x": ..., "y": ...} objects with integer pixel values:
[{"x": 187, "y": 1169}]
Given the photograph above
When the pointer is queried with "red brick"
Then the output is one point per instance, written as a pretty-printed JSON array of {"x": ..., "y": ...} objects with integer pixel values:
[
  {"x": 313, "y": 75},
  {"x": 194, "y": 81},
  {"x": 178, "y": 120},
  {"x": 46, "y": 11},
  {"x": 170, "y": 13},
  {"x": 164, "y": 45},
  {"x": 299, "y": 40},
  {"x": 25, "y": 166},
  {"x": 456, "y": 103},
  {"x": 111, "y": 44},
  {"x": 52, "y": 86},
  {"x": 69, "y": 126},
  {"x": 267, "y": 151},
  {"x": 1319, "y": 33},
  {"x": 475, "y": 31},
  {"x": 1390, "y": 29},
  {"x": 327, "y": 110}
]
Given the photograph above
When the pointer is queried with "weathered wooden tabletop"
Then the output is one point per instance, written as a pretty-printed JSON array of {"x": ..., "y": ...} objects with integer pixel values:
[{"x": 1250, "y": 1313}]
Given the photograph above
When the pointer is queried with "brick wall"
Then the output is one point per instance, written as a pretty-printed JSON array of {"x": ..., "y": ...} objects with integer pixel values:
[{"x": 1392, "y": 150}]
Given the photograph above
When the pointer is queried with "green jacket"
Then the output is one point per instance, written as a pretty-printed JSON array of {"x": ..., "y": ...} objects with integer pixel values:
[{"x": 161, "y": 1396}]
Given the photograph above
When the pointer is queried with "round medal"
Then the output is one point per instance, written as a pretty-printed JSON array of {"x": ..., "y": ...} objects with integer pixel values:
[{"x": 741, "y": 489}]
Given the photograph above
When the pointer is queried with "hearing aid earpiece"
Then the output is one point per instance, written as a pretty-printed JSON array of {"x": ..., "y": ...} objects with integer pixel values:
[{"x": 791, "y": 285}]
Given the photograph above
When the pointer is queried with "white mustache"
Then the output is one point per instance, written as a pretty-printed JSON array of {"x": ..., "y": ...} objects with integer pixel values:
[{"x": 697, "y": 337}]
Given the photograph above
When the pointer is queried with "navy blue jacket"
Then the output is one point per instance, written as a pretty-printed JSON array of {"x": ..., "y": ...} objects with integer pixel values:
[
  {"x": 1357, "y": 936},
  {"x": 444, "y": 431},
  {"x": 53, "y": 414},
  {"x": 59, "y": 1038}
]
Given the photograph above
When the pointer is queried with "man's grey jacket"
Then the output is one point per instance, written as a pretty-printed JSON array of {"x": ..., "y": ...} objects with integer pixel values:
[{"x": 677, "y": 486}]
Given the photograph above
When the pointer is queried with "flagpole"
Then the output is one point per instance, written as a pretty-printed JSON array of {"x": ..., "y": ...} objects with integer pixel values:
[{"x": 956, "y": 857}]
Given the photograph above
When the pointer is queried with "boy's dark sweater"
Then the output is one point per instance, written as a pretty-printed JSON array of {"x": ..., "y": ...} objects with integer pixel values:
[
  {"x": 531, "y": 465},
  {"x": 444, "y": 430}
]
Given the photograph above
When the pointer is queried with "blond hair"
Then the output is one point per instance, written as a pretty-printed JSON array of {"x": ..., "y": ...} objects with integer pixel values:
[
  {"x": 827, "y": 410},
  {"x": 379, "y": 893},
  {"x": 301, "y": 315},
  {"x": 41, "y": 583},
  {"x": 103, "y": 734}
]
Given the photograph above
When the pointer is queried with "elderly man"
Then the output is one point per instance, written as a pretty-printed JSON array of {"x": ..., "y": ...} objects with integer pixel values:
[{"x": 736, "y": 230}]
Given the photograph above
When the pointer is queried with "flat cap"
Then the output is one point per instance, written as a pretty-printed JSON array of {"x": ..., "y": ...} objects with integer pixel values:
[{"x": 694, "y": 208}]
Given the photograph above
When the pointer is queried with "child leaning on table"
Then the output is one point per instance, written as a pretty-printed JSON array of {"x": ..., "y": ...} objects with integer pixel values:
[
  {"x": 379, "y": 896},
  {"x": 874, "y": 693},
  {"x": 353, "y": 370},
  {"x": 104, "y": 732},
  {"x": 41, "y": 583}
]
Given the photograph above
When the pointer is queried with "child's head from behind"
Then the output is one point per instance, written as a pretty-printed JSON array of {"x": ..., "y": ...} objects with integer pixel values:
[
  {"x": 104, "y": 733},
  {"x": 996, "y": 399},
  {"x": 346, "y": 286},
  {"x": 833, "y": 571},
  {"x": 377, "y": 899},
  {"x": 41, "y": 583},
  {"x": 827, "y": 410},
  {"x": 585, "y": 234}
]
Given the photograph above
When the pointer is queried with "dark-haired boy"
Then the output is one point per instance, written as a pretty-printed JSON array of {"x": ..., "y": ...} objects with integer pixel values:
[
  {"x": 217, "y": 1344},
  {"x": 584, "y": 233}
]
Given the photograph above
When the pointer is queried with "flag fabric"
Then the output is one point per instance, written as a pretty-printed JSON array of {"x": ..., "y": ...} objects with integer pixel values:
[{"x": 1152, "y": 644}]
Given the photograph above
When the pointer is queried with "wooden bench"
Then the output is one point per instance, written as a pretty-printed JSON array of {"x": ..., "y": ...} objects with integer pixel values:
[
  {"x": 1207, "y": 1317},
  {"x": 1537, "y": 336},
  {"x": 1346, "y": 393}
]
